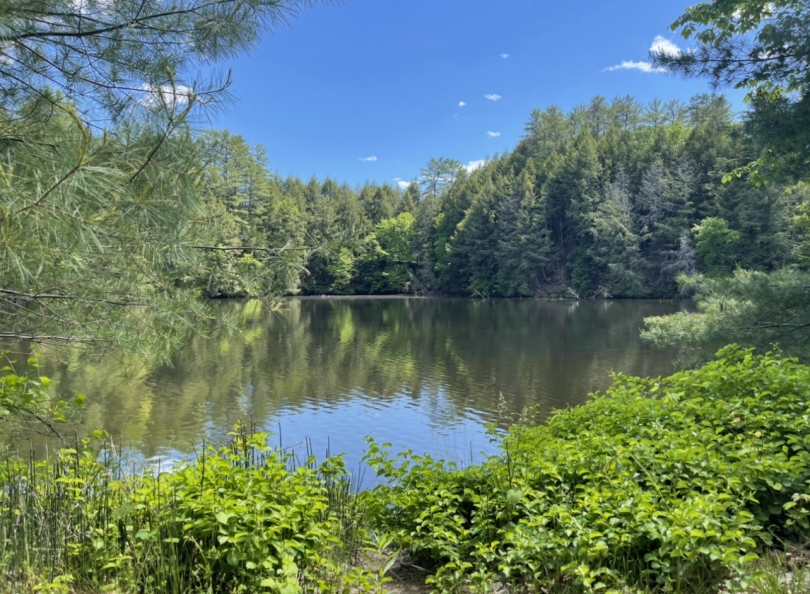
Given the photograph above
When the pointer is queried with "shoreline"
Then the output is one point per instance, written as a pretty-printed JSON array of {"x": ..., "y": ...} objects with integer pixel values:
[{"x": 457, "y": 298}]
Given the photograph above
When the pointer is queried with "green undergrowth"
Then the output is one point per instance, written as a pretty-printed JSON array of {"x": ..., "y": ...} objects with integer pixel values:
[
  {"x": 660, "y": 485},
  {"x": 695, "y": 483},
  {"x": 239, "y": 518}
]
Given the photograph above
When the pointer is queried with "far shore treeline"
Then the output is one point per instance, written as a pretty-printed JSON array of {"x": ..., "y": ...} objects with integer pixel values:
[{"x": 612, "y": 199}]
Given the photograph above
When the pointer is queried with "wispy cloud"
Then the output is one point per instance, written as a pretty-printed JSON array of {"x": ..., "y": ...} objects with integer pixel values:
[
  {"x": 7, "y": 53},
  {"x": 86, "y": 6},
  {"x": 370, "y": 159},
  {"x": 461, "y": 104},
  {"x": 167, "y": 96},
  {"x": 473, "y": 165},
  {"x": 629, "y": 65},
  {"x": 660, "y": 45},
  {"x": 504, "y": 56},
  {"x": 493, "y": 97},
  {"x": 493, "y": 134},
  {"x": 402, "y": 184}
]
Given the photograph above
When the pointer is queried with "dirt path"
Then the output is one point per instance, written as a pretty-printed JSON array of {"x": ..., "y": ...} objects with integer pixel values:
[{"x": 406, "y": 578}]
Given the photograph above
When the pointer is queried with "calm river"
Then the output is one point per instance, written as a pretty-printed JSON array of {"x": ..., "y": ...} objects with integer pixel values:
[{"x": 424, "y": 374}]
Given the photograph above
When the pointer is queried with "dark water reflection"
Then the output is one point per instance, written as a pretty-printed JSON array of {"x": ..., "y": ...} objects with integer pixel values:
[{"x": 425, "y": 374}]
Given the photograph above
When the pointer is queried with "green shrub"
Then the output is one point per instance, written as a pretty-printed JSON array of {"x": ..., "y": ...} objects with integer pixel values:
[
  {"x": 239, "y": 518},
  {"x": 666, "y": 484},
  {"x": 24, "y": 399}
]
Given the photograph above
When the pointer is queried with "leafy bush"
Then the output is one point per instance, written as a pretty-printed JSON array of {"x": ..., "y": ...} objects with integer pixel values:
[
  {"x": 24, "y": 400},
  {"x": 658, "y": 485},
  {"x": 240, "y": 518}
]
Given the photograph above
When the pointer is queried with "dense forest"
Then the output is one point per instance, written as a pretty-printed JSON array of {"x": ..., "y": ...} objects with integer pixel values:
[{"x": 612, "y": 199}]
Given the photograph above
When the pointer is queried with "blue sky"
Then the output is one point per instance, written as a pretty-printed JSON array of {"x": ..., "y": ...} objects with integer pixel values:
[{"x": 382, "y": 80}]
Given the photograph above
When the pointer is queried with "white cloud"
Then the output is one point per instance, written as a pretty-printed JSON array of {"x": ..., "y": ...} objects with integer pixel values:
[
  {"x": 493, "y": 134},
  {"x": 473, "y": 165},
  {"x": 403, "y": 185},
  {"x": 370, "y": 159},
  {"x": 7, "y": 53},
  {"x": 662, "y": 45},
  {"x": 629, "y": 65},
  {"x": 170, "y": 96},
  {"x": 86, "y": 7},
  {"x": 493, "y": 97},
  {"x": 504, "y": 56},
  {"x": 461, "y": 104}
]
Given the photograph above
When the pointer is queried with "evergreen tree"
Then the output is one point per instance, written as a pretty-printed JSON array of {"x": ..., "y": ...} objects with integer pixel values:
[
  {"x": 547, "y": 131},
  {"x": 474, "y": 246},
  {"x": 655, "y": 113},
  {"x": 101, "y": 200},
  {"x": 526, "y": 251},
  {"x": 380, "y": 202},
  {"x": 438, "y": 175},
  {"x": 573, "y": 192},
  {"x": 615, "y": 248},
  {"x": 626, "y": 113},
  {"x": 409, "y": 199},
  {"x": 761, "y": 47},
  {"x": 508, "y": 258},
  {"x": 763, "y": 216},
  {"x": 663, "y": 209}
]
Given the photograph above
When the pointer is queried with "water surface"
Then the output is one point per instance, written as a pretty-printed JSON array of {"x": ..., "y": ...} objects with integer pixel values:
[{"x": 424, "y": 374}]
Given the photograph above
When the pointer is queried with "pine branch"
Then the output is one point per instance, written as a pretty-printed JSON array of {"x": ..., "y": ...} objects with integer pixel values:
[
  {"x": 78, "y": 34},
  {"x": 41, "y": 296},
  {"x": 44, "y": 338},
  {"x": 250, "y": 248}
]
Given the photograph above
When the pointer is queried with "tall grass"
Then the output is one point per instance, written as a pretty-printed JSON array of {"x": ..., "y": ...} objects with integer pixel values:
[
  {"x": 783, "y": 572},
  {"x": 240, "y": 517}
]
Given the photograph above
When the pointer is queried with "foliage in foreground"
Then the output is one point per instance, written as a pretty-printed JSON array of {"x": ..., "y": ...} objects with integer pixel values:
[
  {"x": 24, "y": 400},
  {"x": 754, "y": 309},
  {"x": 241, "y": 518},
  {"x": 102, "y": 224},
  {"x": 673, "y": 484},
  {"x": 667, "y": 484},
  {"x": 760, "y": 46}
]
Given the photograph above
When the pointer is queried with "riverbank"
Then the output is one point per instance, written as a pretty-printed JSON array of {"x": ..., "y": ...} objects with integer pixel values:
[{"x": 691, "y": 483}]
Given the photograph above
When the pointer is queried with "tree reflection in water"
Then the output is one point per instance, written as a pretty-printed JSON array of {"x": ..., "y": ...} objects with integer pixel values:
[{"x": 420, "y": 373}]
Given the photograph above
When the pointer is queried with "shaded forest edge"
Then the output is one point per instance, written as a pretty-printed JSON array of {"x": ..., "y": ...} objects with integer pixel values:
[
  {"x": 692, "y": 483},
  {"x": 613, "y": 199}
]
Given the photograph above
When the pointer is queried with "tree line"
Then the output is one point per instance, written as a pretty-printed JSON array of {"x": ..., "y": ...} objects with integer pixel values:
[{"x": 612, "y": 199}]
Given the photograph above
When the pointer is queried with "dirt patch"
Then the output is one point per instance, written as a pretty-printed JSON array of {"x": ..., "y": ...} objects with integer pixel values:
[{"x": 406, "y": 578}]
